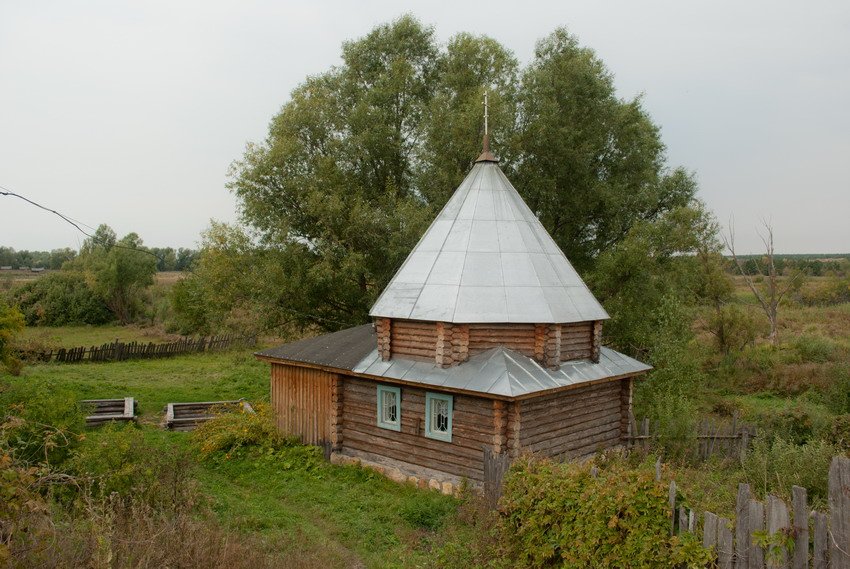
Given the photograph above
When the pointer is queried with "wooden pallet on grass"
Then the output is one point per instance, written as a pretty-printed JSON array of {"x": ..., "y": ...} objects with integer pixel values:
[
  {"x": 187, "y": 416},
  {"x": 108, "y": 410}
]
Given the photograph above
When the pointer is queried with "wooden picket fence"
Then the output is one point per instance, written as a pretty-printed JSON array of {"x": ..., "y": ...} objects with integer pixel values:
[
  {"x": 121, "y": 351},
  {"x": 771, "y": 534},
  {"x": 714, "y": 437}
]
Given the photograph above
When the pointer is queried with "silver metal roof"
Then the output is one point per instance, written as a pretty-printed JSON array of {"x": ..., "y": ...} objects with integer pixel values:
[
  {"x": 500, "y": 371},
  {"x": 487, "y": 258}
]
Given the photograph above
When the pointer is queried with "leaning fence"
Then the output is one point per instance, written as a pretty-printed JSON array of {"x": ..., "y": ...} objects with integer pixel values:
[
  {"x": 728, "y": 438},
  {"x": 121, "y": 351},
  {"x": 772, "y": 534}
]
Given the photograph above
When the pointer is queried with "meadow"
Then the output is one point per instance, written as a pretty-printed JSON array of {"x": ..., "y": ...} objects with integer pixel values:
[{"x": 288, "y": 507}]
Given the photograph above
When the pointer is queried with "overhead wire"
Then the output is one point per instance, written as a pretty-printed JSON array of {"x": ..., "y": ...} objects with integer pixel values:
[{"x": 4, "y": 191}]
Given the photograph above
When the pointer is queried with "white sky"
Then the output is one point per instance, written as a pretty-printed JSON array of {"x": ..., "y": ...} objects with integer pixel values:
[{"x": 130, "y": 113}]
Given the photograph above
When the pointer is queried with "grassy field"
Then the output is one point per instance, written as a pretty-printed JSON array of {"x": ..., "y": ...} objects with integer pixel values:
[
  {"x": 316, "y": 514},
  {"x": 153, "y": 383},
  {"x": 310, "y": 514}
]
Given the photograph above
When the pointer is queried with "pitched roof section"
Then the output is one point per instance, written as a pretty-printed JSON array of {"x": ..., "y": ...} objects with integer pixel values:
[
  {"x": 501, "y": 371},
  {"x": 487, "y": 258},
  {"x": 342, "y": 350},
  {"x": 497, "y": 371}
]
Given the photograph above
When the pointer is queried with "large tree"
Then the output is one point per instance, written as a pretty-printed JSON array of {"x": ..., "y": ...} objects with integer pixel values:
[
  {"x": 117, "y": 270},
  {"x": 362, "y": 156}
]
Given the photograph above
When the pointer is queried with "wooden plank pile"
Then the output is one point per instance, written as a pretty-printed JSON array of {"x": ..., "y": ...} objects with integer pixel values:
[
  {"x": 187, "y": 416},
  {"x": 108, "y": 410}
]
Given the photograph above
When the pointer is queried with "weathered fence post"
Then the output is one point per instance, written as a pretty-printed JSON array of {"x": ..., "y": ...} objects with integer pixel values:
[
  {"x": 756, "y": 517},
  {"x": 839, "y": 510},
  {"x": 800, "y": 507},
  {"x": 777, "y": 523},
  {"x": 725, "y": 550},
  {"x": 671, "y": 498},
  {"x": 742, "y": 527},
  {"x": 709, "y": 531},
  {"x": 821, "y": 540},
  {"x": 495, "y": 467}
]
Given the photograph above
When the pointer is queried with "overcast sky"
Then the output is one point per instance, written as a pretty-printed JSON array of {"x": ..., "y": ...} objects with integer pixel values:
[{"x": 130, "y": 113}]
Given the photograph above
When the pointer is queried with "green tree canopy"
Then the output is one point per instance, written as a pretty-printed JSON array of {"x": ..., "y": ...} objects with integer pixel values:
[
  {"x": 361, "y": 158},
  {"x": 117, "y": 270}
]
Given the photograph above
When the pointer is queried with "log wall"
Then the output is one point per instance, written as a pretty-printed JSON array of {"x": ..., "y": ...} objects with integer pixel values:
[
  {"x": 519, "y": 337},
  {"x": 577, "y": 341},
  {"x": 574, "y": 423},
  {"x": 473, "y": 422},
  {"x": 303, "y": 402},
  {"x": 414, "y": 339},
  {"x": 450, "y": 344}
]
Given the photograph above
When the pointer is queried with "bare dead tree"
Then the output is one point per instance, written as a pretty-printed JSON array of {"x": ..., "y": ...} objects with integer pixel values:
[{"x": 770, "y": 298}]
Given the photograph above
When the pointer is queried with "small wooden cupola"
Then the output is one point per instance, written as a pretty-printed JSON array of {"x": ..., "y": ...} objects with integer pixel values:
[{"x": 486, "y": 274}]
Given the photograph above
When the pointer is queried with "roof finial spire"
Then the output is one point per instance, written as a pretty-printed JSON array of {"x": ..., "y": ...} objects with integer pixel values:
[
  {"x": 486, "y": 109},
  {"x": 486, "y": 154}
]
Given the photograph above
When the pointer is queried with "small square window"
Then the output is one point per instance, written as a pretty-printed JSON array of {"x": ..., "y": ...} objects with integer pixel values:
[
  {"x": 438, "y": 416},
  {"x": 389, "y": 407}
]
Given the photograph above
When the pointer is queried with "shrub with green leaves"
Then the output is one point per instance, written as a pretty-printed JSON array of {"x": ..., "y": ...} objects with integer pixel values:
[
  {"x": 41, "y": 422},
  {"x": 61, "y": 298},
  {"x": 814, "y": 348},
  {"x": 233, "y": 429},
  {"x": 118, "y": 459},
  {"x": 838, "y": 393},
  {"x": 561, "y": 515},
  {"x": 11, "y": 324},
  {"x": 774, "y": 465}
]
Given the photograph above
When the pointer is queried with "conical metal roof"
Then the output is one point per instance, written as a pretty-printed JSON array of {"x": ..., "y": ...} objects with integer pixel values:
[{"x": 487, "y": 259}]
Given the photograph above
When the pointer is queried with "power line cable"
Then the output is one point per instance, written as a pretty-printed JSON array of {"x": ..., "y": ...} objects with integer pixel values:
[{"x": 4, "y": 191}]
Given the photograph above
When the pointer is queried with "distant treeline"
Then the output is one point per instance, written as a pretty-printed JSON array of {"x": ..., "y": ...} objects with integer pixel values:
[
  {"x": 168, "y": 258},
  {"x": 815, "y": 265}
]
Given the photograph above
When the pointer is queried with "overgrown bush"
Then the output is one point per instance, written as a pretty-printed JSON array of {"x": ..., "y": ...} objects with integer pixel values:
[
  {"x": 834, "y": 291},
  {"x": 814, "y": 348},
  {"x": 798, "y": 423},
  {"x": 733, "y": 328},
  {"x": 11, "y": 324},
  {"x": 41, "y": 423},
  {"x": 24, "y": 513},
  {"x": 117, "y": 459},
  {"x": 61, "y": 298},
  {"x": 114, "y": 531},
  {"x": 561, "y": 515},
  {"x": 839, "y": 433},
  {"x": 674, "y": 422},
  {"x": 837, "y": 396},
  {"x": 231, "y": 430},
  {"x": 773, "y": 465}
]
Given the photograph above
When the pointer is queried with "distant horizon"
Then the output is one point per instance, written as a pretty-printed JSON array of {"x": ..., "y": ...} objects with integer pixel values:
[{"x": 824, "y": 254}]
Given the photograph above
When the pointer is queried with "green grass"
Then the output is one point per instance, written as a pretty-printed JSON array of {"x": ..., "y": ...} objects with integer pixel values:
[
  {"x": 309, "y": 514},
  {"x": 343, "y": 513},
  {"x": 153, "y": 383}
]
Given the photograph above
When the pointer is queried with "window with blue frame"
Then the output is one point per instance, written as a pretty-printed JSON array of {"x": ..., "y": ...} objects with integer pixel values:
[
  {"x": 438, "y": 416},
  {"x": 389, "y": 407}
]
